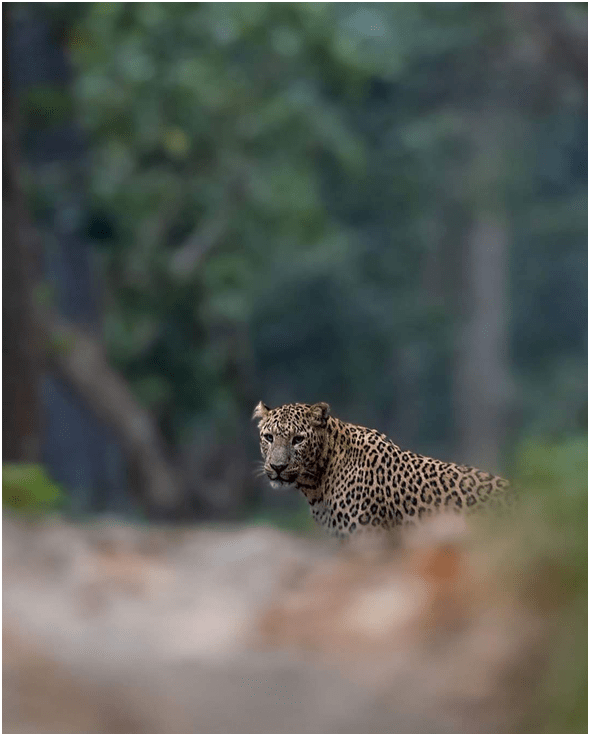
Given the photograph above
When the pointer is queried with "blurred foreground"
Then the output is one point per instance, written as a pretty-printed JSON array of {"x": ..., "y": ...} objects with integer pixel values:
[{"x": 117, "y": 628}]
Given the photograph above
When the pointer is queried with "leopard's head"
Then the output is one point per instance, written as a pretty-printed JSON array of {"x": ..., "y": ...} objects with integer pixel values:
[{"x": 292, "y": 438}]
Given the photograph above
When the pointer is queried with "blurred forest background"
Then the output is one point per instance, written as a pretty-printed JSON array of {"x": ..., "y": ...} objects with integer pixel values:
[
  {"x": 382, "y": 206},
  {"x": 378, "y": 205}
]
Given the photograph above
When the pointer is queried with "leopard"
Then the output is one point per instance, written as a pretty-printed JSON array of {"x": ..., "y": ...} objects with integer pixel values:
[{"x": 355, "y": 478}]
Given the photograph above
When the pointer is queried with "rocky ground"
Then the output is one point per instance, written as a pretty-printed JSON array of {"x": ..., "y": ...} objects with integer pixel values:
[{"x": 112, "y": 628}]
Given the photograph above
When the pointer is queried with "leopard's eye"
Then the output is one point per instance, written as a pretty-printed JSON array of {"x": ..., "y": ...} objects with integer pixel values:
[
  {"x": 268, "y": 437},
  {"x": 298, "y": 439}
]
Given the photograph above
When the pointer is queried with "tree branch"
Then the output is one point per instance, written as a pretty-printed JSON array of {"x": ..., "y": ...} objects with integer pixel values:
[
  {"x": 79, "y": 359},
  {"x": 191, "y": 254}
]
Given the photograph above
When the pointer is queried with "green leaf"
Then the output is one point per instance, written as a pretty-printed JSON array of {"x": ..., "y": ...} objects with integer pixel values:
[{"x": 27, "y": 487}]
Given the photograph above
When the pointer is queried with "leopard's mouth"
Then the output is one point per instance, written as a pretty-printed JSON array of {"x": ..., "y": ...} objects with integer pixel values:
[{"x": 278, "y": 480}]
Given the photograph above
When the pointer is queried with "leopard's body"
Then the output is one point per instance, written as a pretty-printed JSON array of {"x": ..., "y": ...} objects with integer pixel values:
[{"x": 355, "y": 478}]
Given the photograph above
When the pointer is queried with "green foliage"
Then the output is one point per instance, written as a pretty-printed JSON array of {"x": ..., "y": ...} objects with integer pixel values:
[
  {"x": 553, "y": 542},
  {"x": 280, "y": 191},
  {"x": 44, "y": 106},
  {"x": 27, "y": 487},
  {"x": 299, "y": 521},
  {"x": 554, "y": 475},
  {"x": 557, "y": 470}
]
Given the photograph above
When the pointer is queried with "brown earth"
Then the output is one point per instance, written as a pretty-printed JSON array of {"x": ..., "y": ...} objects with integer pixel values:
[{"x": 111, "y": 628}]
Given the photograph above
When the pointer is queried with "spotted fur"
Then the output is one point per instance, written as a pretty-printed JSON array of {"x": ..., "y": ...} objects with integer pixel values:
[{"x": 355, "y": 478}]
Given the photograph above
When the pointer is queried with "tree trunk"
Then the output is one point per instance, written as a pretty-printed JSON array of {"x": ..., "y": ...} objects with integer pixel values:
[
  {"x": 482, "y": 381},
  {"x": 20, "y": 349}
]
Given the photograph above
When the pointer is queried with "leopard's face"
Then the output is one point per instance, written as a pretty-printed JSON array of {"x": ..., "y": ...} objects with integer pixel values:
[{"x": 291, "y": 442}]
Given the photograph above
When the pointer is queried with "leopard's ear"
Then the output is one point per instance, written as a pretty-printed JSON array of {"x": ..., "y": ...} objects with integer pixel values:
[
  {"x": 319, "y": 414},
  {"x": 261, "y": 412}
]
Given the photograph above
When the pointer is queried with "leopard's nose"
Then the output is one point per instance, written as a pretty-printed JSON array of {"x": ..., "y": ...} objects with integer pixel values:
[{"x": 278, "y": 468}]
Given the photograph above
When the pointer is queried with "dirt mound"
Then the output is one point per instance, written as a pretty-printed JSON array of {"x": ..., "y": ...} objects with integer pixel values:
[{"x": 113, "y": 628}]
